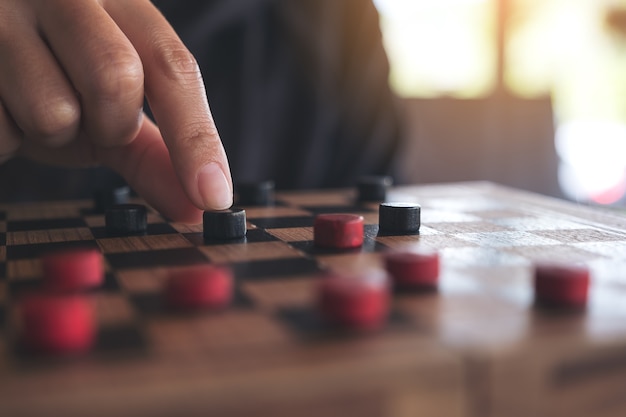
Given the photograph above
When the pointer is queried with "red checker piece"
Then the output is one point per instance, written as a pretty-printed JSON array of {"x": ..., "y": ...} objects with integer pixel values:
[
  {"x": 358, "y": 300},
  {"x": 561, "y": 285},
  {"x": 197, "y": 287},
  {"x": 73, "y": 270},
  {"x": 338, "y": 231},
  {"x": 54, "y": 324},
  {"x": 413, "y": 269}
]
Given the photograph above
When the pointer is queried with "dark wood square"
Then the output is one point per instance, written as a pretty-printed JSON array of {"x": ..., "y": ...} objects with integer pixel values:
[
  {"x": 252, "y": 236},
  {"x": 268, "y": 269},
  {"x": 15, "y": 252},
  {"x": 152, "y": 304},
  {"x": 151, "y": 259},
  {"x": 151, "y": 229},
  {"x": 308, "y": 324},
  {"x": 45, "y": 224}
]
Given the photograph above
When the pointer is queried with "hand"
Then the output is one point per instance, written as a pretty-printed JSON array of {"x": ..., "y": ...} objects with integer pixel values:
[{"x": 73, "y": 75}]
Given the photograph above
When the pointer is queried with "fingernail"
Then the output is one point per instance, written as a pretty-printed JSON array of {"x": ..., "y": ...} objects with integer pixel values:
[{"x": 214, "y": 188}]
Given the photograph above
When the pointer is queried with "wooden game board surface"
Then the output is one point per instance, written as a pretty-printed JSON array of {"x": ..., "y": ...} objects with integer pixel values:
[{"x": 477, "y": 347}]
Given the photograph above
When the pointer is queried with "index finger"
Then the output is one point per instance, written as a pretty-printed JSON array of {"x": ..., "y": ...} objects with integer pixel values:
[{"x": 177, "y": 98}]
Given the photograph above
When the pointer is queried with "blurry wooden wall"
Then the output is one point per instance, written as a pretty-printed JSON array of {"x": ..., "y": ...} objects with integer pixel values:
[{"x": 501, "y": 138}]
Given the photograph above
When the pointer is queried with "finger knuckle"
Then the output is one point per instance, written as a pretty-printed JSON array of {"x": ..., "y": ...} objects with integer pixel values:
[
  {"x": 53, "y": 119},
  {"x": 176, "y": 62},
  {"x": 198, "y": 139},
  {"x": 118, "y": 79},
  {"x": 197, "y": 134}
]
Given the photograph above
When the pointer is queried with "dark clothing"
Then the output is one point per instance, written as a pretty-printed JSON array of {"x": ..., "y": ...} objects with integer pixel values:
[{"x": 298, "y": 89}]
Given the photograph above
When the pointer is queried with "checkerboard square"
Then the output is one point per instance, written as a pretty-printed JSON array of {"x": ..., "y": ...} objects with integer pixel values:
[
  {"x": 293, "y": 234},
  {"x": 251, "y": 252},
  {"x": 23, "y": 286},
  {"x": 21, "y": 269},
  {"x": 152, "y": 304},
  {"x": 154, "y": 258},
  {"x": 142, "y": 243},
  {"x": 113, "y": 309},
  {"x": 146, "y": 280},
  {"x": 504, "y": 239},
  {"x": 273, "y": 211},
  {"x": 369, "y": 245},
  {"x": 37, "y": 250},
  {"x": 273, "y": 268},
  {"x": 29, "y": 237},
  {"x": 529, "y": 223},
  {"x": 152, "y": 229},
  {"x": 308, "y": 324},
  {"x": 150, "y": 259},
  {"x": 468, "y": 227},
  {"x": 45, "y": 224},
  {"x": 123, "y": 338},
  {"x": 580, "y": 235},
  {"x": 252, "y": 236},
  {"x": 283, "y": 222},
  {"x": 281, "y": 293}
]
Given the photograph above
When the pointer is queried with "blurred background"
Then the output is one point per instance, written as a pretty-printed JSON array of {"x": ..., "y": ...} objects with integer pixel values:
[{"x": 529, "y": 93}]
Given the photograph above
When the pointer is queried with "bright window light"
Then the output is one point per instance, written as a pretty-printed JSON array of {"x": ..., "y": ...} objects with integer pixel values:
[
  {"x": 593, "y": 155},
  {"x": 572, "y": 50},
  {"x": 443, "y": 47}
]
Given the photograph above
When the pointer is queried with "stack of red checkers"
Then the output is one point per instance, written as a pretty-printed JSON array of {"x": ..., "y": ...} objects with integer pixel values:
[
  {"x": 55, "y": 324},
  {"x": 413, "y": 269},
  {"x": 561, "y": 285},
  {"x": 73, "y": 270},
  {"x": 338, "y": 231},
  {"x": 199, "y": 287},
  {"x": 358, "y": 301}
]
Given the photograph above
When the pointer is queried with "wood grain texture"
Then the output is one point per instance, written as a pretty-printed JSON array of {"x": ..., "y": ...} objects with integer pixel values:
[{"x": 476, "y": 347}]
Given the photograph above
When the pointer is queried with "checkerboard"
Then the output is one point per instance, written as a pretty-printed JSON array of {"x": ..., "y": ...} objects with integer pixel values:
[{"x": 477, "y": 346}]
